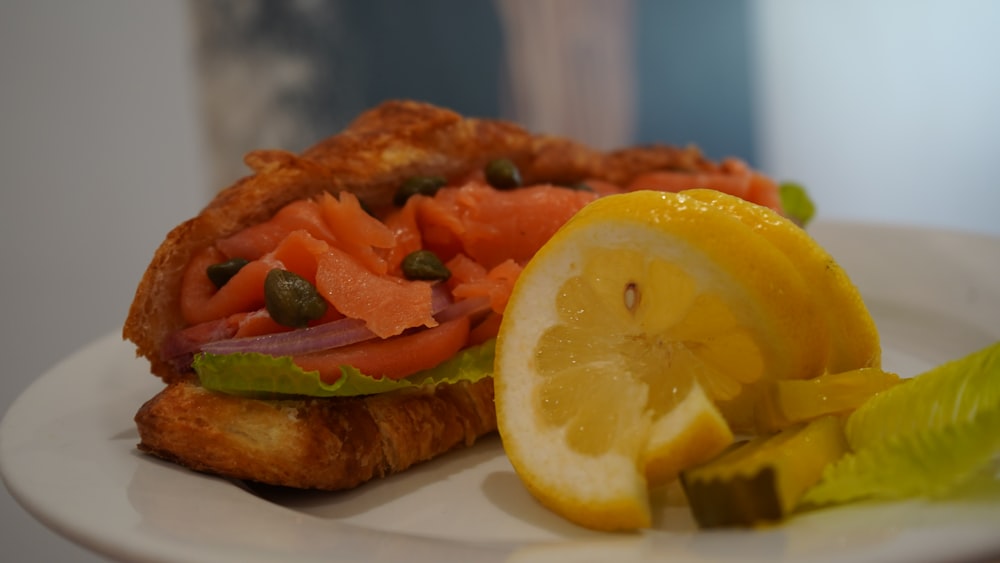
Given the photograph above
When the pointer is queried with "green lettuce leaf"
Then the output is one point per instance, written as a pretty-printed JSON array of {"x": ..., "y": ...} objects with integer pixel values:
[
  {"x": 951, "y": 393},
  {"x": 796, "y": 203},
  {"x": 254, "y": 374},
  {"x": 925, "y": 437},
  {"x": 925, "y": 464}
]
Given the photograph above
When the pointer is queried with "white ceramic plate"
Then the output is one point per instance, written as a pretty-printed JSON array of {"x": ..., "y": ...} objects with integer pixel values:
[{"x": 67, "y": 454}]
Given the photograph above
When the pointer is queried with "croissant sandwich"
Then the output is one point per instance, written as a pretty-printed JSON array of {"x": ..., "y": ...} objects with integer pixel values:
[{"x": 330, "y": 318}]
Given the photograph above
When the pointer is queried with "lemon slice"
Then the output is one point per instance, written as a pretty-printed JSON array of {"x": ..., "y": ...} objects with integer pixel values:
[
  {"x": 789, "y": 402},
  {"x": 621, "y": 333},
  {"x": 854, "y": 337}
]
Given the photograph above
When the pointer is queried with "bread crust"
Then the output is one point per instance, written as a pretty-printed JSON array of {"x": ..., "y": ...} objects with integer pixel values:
[
  {"x": 340, "y": 443},
  {"x": 328, "y": 444}
]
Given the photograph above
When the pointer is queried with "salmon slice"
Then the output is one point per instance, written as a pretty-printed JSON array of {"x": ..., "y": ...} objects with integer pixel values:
[
  {"x": 356, "y": 232},
  {"x": 734, "y": 178},
  {"x": 388, "y": 304},
  {"x": 402, "y": 223},
  {"x": 492, "y": 226},
  {"x": 440, "y": 227},
  {"x": 470, "y": 280},
  {"x": 253, "y": 242},
  {"x": 298, "y": 252},
  {"x": 202, "y": 302}
]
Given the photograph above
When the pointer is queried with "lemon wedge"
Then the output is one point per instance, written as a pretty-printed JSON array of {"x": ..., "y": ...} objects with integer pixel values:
[{"x": 623, "y": 333}]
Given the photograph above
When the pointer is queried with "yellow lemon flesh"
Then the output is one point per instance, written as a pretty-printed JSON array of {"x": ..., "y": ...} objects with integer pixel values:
[{"x": 622, "y": 334}]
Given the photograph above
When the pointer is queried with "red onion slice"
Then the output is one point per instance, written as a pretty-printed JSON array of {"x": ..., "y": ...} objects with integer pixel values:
[
  {"x": 440, "y": 297},
  {"x": 186, "y": 342},
  {"x": 341, "y": 332},
  {"x": 334, "y": 334}
]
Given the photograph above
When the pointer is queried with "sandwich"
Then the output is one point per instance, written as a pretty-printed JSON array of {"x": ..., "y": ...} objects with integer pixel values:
[{"x": 329, "y": 318}]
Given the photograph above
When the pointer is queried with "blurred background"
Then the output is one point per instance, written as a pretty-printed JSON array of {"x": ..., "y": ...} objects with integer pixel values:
[{"x": 119, "y": 119}]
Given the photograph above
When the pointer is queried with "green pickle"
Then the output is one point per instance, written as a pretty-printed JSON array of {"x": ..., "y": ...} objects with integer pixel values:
[{"x": 760, "y": 481}]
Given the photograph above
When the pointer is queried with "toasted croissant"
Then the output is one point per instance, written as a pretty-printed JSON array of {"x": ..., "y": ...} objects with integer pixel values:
[{"x": 342, "y": 442}]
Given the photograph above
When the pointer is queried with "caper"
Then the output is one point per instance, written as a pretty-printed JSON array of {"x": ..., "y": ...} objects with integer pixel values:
[
  {"x": 291, "y": 300},
  {"x": 221, "y": 273},
  {"x": 417, "y": 185},
  {"x": 424, "y": 265},
  {"x": 502, "y": 174}
]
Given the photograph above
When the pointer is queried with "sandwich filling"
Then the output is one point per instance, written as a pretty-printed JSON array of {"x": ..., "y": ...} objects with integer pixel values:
[{"x": 330, "y": 297}]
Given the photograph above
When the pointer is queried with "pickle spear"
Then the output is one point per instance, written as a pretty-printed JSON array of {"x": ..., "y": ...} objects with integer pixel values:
[{"x": 762, "y": 480}]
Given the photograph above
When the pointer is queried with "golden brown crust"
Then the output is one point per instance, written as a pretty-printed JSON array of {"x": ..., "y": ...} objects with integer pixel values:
[
  {"x": 312, "y": 443},
  {"x": 339, "y": 443}
]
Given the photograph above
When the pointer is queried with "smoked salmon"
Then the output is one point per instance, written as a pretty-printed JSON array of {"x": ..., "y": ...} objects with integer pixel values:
[{"x": 485, "y": 236}]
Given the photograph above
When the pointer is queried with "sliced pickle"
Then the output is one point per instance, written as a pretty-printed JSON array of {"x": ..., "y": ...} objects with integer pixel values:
[{"x": 761, "y": 480}]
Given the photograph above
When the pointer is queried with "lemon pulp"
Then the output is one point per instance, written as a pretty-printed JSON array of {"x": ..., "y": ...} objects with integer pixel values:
[{"x": 634, "y": 329}]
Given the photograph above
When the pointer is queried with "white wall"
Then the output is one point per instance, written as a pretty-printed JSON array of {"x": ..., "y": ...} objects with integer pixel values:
[
  {"x": 887, "y": 110},
  {"x": 98, "y": 159}
]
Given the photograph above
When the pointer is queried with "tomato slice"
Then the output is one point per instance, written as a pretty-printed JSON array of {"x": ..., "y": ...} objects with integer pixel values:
[{"x": 395, "y": 357}]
